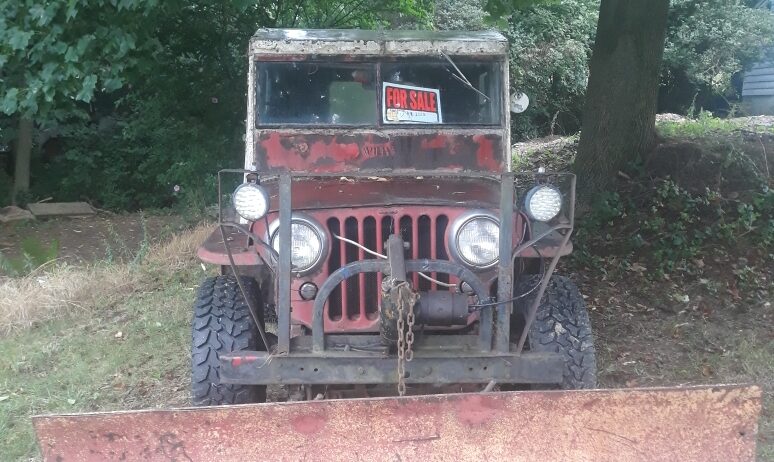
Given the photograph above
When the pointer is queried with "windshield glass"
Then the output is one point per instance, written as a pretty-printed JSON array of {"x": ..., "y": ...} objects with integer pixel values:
[
  {"x": 311, "y": 93},
  {"x": 443, "y": 90},
  {"x": 467, "y": 92}
]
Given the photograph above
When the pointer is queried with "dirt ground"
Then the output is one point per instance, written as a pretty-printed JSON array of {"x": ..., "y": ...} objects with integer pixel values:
[
  {"x": 702, "y": 328},
  {"x": 91, "y": 238}
]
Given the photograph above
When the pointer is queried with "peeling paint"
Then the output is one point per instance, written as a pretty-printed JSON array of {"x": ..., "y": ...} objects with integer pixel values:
[{"x": 373, "y": 43}]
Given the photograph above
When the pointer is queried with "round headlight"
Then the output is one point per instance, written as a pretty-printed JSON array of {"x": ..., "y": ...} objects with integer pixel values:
[
  {"x": 251, "y": 201},
  {"x": 543, "y": 203},
  {"x": 476, "y": 240},
  {"x": 307, "y": 243}
]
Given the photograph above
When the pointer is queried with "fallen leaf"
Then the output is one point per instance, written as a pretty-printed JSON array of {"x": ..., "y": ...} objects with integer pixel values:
[
  {"x": 706, "y": 370},
  {"x": 70, "y": 401},
  {"x": 3, "y": 398},
  {"x": 119, "y": 334}
]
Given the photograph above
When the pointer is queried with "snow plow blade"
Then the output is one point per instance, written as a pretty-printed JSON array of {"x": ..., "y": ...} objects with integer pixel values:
[{"x": 686, "y": 424}]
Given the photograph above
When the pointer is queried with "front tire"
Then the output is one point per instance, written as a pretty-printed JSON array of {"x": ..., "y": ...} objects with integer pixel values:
[
  {"x": 222, "y": 323},
  {"x": 561, "y": 325}
]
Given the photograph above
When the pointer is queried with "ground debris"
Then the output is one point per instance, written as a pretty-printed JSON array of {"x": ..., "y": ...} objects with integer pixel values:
[{"x": 13, "y": 213}]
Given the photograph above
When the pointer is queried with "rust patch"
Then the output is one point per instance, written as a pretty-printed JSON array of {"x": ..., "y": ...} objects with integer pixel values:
[
  {"x": 664, "y": 424},
  {"x": 334, "y": 152},
  {"x": 478, "y": 410},
  {"x": 308, "y": 424}
]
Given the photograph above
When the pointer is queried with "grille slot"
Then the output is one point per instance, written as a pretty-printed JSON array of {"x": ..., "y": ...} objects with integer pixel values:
[{"x": 358, "y": 296}]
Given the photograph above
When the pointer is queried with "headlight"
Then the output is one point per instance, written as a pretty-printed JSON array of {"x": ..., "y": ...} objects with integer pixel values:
[
  {"x": 251, "y": 201},
  {"x": 307, "y": 242},
  {"x": 543, "y": 203},
  {"x": 475, "y": 239}
]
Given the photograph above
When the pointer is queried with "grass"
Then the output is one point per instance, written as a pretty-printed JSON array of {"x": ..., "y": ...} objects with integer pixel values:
[
  {"x": 705, "y": 125},
  {"x": 60, "y": 348},
  {"x": 107, "y": 337}
]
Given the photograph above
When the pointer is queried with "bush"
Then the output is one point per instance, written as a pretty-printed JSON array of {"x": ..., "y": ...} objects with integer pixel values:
[
  {"x": 703, "y": 192},
  {"x": 459, "y": 15},
  {"x": 709, "y": 43},
  {"x": 147, "y": 157},
  {"x": 550, "y": 50}
]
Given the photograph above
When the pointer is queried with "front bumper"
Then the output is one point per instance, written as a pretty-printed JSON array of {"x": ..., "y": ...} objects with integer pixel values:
[{"x": 437, "y": 360}]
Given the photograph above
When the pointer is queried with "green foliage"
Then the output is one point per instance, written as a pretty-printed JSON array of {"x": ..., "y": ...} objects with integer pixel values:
[
  {"x": 164, "y": 82},
  {"x": 5, "y": 188},
  {"x": 550, "y": 49},
  {"x": 705, "y": 125},
  {"x": 706, "y": 191},
  {"x": 710, "y": 41},
  {"x": 707, "y": 51},
  {"x": 56, "y": 53},
  {"x": 459, "y": 15},
  {"x": 668, "y": 228},
  {"x": 500, "y": 10},
  {"x": 34, "y": 254}
]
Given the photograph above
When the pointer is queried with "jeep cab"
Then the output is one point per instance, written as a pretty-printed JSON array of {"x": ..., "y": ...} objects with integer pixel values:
[{"x": 375, "y": 239}]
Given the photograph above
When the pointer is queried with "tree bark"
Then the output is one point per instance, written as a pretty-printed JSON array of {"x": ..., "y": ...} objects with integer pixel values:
[
  {"x": 23, "y": 155},
  {"x": 619, "y": 119}
]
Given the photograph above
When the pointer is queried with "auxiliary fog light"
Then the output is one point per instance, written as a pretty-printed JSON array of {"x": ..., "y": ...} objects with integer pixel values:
[
  {"x": 251, "y": 201},
  {"x": 543, "y": 203}
]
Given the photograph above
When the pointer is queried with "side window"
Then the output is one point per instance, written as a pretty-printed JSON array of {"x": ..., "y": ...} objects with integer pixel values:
[{"x": 316, "y": 93}]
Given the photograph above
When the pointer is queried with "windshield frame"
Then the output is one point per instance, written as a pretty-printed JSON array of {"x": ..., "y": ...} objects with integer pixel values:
[{"x": 500, "y": 67}]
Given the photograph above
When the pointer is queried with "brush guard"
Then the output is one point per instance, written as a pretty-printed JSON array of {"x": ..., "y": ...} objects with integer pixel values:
[{"x": 439, "y": 359}]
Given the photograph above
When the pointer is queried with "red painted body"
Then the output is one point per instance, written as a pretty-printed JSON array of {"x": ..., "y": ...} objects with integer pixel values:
[
  {"x": 319, "y": 151},
  {"x": 360, "y": 292},
  {"x": 374, "y": 207}
]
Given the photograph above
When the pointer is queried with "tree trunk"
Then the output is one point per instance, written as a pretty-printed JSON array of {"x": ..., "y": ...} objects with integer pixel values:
[
  {"x": 619, "y": 119},
  {"x": 23, "y": 154}
]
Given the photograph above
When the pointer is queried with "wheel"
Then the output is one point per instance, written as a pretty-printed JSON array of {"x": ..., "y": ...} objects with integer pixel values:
[
  {"x": 561, "y": 326},
  {"x": 222, "y": 323}
]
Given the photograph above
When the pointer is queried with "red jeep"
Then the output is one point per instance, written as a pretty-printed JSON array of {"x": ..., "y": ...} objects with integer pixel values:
[{"x": 376, "y": 238}]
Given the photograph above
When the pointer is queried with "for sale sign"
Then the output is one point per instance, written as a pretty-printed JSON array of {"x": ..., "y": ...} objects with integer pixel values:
[{"x": 405, "y": 104}]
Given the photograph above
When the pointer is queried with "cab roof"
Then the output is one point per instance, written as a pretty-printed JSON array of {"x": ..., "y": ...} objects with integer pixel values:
[{"x": 375, "y": 42}]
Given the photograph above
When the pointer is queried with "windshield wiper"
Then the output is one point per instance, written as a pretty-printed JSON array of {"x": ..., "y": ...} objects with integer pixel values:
[{"x": 461, "y": 77}]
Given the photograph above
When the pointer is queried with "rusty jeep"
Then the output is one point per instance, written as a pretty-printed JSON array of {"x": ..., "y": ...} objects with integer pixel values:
[
  {"x": 377, "y": 240},
  {"x": 376, "y": 243}
]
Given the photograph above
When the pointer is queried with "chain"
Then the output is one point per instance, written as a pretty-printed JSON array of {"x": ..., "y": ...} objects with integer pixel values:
[
  {"x": 410, "y": 327},
  {"x": 401, "y": 350},
  {"x": 405, "y": 331}
]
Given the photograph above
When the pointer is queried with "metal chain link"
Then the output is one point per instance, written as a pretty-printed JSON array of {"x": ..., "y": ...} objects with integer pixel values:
[
  {"x": 410, "y": 328},
  {"x": 401, "y": 350},
  {"x": 405, "y": 331}
]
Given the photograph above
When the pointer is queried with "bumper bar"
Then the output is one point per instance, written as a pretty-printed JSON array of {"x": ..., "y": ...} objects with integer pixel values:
[{"x": 358, "y": 367}]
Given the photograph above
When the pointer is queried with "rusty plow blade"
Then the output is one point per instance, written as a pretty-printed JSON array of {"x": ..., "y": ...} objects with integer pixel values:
[{"x": 686, "y": 424}]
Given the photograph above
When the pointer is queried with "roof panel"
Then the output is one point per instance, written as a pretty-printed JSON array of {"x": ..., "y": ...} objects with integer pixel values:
[
  {"x": 338, "y": 35},
  {"x": 372, "y": 42}
]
